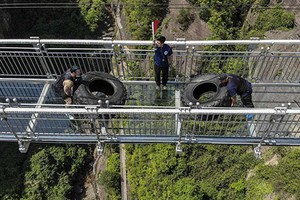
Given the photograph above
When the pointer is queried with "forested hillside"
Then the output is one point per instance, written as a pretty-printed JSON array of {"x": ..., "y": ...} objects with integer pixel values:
[
  {"x": 207, "y": 171},
  {"x": 154, "y": 171}
]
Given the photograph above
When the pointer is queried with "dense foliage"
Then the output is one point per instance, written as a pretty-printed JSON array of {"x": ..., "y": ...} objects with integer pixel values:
[
  {"x": 201, "y": 172},
  {"x": 224, "y": 17},
  {"x": 46, "y": 172},
  {"x": 269, "y": 19},
  {"x": 110, "y": 178},
  {"x": 11, "y": 171},
  {"x": 140, "y": 14},
  {"x": 92, "y": 11},
  {"x": 89, "y": 20}
]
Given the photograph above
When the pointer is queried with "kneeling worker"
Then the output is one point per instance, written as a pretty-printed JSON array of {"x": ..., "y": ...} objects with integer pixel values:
[
  {"x": 64, "y": 87},
  {"x": 66, "y": 82},
  {"x": 237, "y": 85}
]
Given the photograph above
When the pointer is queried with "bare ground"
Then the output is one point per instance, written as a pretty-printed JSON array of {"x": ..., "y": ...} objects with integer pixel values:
[{"x": 198, "y": 29}]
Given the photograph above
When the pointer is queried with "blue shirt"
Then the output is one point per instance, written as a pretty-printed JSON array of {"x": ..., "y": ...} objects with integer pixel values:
[
  {"x": 238, "y": 85},
  {"x": 161, "y": 55}
]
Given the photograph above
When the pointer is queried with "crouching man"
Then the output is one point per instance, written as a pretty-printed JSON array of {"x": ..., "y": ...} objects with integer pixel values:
[
  {"x": 65, "y": 83},
  {"x": 237, "y": 86},
  {"x": 64, "y": 87}
]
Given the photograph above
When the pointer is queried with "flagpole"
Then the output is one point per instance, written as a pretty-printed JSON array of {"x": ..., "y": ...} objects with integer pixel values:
[{"x": 153, "y": 31}]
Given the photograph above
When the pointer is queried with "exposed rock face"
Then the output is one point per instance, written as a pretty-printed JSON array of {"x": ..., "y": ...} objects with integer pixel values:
[{"x": 197, "y": 30}]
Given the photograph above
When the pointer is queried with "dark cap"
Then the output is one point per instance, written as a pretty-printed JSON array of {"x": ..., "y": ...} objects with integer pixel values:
[
  {"x": 74, "y": 68},
  {"x": 223, "y": 77},
  {"x": 161, "y": 38}
]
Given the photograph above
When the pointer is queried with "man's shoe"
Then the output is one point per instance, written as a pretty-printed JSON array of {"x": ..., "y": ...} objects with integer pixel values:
[
  {"x": 165, "y": 88},
  {"x": 158, "y": 87}
]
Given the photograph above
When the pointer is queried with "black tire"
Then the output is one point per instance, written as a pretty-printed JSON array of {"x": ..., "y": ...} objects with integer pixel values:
[
  {"x": 203, "y": 85},
  {"x": 97, "y": 86}
]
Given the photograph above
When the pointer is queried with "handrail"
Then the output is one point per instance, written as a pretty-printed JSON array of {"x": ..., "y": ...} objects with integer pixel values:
[{"x": 147, "y": 42}]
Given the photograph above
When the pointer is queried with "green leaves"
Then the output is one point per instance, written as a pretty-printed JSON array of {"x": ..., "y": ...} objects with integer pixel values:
[
  {"x": 140, "y": 15},
  {"x": 201, "y": 171},
  {"x": 92, "y": 11},
  {"x": 51, "y": 170}
]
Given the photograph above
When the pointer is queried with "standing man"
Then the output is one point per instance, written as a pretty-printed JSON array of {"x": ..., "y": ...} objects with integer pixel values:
[
  {"x": 162, "y": 52},
  {"x": 237, "y": 86},
  {"x": 66, "y": 82}
]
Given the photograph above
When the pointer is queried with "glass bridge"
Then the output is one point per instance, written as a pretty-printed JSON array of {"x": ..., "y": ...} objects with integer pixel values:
[{"x": 30, "y": 112}]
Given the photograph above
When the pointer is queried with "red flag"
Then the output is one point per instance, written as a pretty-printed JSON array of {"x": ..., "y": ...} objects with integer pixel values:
[{"x": 155, "y": 27}]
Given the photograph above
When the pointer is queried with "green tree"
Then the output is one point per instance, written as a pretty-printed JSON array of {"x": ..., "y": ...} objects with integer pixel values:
[
  {"x": 111, "y": 180},
  {"x": 224, "y": 17},
  {"x": 51, "y": 171},
  {"x": 140, "y": 15},
  {"x": 11, "y": 171},
  {"x": 93, "y": 11},
  {"x": 185, "y": 18}
]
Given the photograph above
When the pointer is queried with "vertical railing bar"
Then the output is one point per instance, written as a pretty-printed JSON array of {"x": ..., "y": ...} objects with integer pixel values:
[
  {"x": 57, "y": 62},
  {"x": 267, "y": 67},
  {"x": 65, "y": 64},
  {"x": 122, "y": 62},
  {"x": 282, "y": 126},
  {"x": 18, "y": 63},
  {"x": 47, "y": 58},
  {"x": 191, "y": 64},
  {"x": 24, "y": 60},
  {"x": 117, "y": 64},
  {"x": 222, "y": 125},
  {"x": 229, "y": 121},
  {"x": 262, "y": 65},
  {"x": 12, "y": 68},
  {"x": 82, "y": 57},
  {"x": 288, "y": 63},
  {"x": 289, "y": 123},
  {"x": 255, "y": 62},
  {"x": 186, "y": 61},
  {"x": 263, "y": 123},
  {"x": 280, "y": 63},
  {"x": 293, "y": 72},
  {"x": 1, "y": 62},
  {"x": 15, "y": 64},
  {"x": 272, "y": 69}
]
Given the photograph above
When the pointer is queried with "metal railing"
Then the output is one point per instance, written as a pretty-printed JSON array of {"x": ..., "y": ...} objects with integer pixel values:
[
  {"x": 258, "y": 60},
  {"x": 91, "y": 124},
  {"x": 30, "y": 112}
]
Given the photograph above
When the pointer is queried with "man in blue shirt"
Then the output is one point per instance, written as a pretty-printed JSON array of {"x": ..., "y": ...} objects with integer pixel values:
[
  {"x": 237, "y": 86},
  {"x": 162, "y": 52}
]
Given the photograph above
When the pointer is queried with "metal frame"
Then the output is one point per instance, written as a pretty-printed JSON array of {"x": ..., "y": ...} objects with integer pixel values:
[
  {"x": 29, "y": 67},
  {"x": 133, "y": 60}
]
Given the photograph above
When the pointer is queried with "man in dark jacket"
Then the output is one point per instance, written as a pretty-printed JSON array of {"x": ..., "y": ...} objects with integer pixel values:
[
  {"x": 237, "y": 86},
  {"x": 162, "y": 52},
  {"x": 65, "y": 84}
]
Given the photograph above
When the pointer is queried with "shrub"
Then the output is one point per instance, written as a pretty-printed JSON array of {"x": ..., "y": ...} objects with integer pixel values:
[{"x": 185, "y": 18}]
